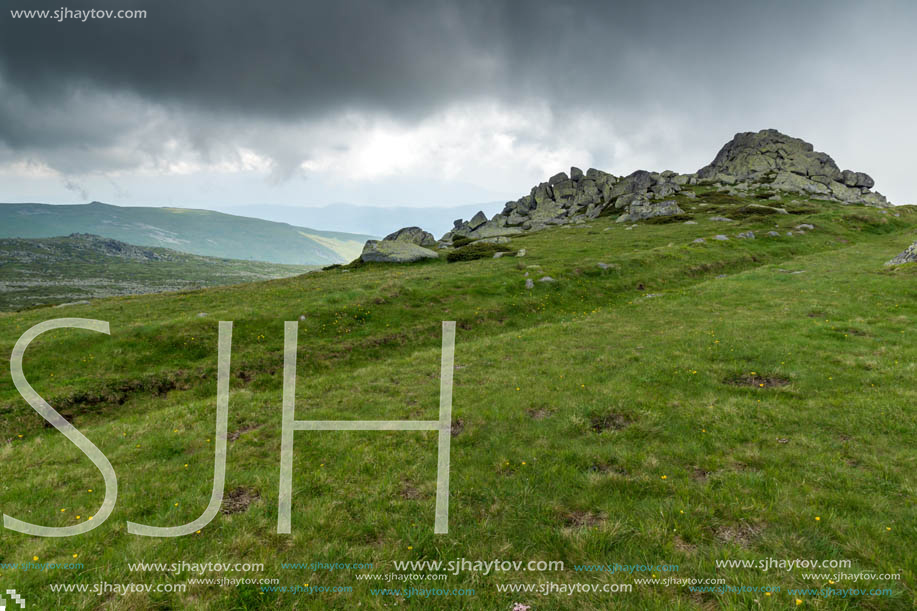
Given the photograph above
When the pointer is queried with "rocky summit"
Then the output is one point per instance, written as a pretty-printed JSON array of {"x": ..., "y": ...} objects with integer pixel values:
[
  {"x": 765, "y": 164},
  {"x": 787, "y": 164}
]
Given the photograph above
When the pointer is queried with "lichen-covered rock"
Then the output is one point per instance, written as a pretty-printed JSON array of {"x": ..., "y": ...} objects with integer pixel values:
[
  {"x": 788, "y": 164},
  {"x": 908, "y": 256},
  {"x": 414, "y": 235},
  {"x": 752, "y": 154},
  {"x": 496, "y": 240},
  {"x": 640, "y": 210},
  {"x": 477, "y": 220},
  {"x": 394, "y": 251}
]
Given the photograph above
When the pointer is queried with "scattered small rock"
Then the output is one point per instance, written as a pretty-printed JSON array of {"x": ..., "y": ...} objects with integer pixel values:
[
  {"x": 603, "y": 265},
  {"x": 202, "y": 314},
  {"x": 806, "y": 226},
  {"x": 773, "y": 234},
  {"x": 721, "y": 219},
  {"x": 909, "y": 255},
  {"x": 521, "y": 252},
  {"x": 699, "y": 241},
  {"x": 747, "y": 235},
  {"x": 496, "y": 240},
  {"x": 72, "y": 303},
  {"x": 546, "y": 279},
  {"x": 497, "y": 255},
  {"x": 529, "y": 284},
  {"x": 690, "y": 223},
  {"x": 721, "y": 238}
]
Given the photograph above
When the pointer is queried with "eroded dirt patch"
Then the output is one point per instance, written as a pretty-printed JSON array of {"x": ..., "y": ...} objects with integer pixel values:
[
  {"x": 757, "y": 381},
  {"x": 238, "y": 499},
  {"x": 603, "y": 467},
  {"x": 458, "y": 425},
  {"x": 739, "y": 534},
  {"x": 410, "y": 492},
  {"x": 609, "y": 422},
  {"x": 242, "y": 430},
  {"x": 583, "y": 519},
  {"x": 538, "y": 414},
  {"x": 683, "y": 546}
]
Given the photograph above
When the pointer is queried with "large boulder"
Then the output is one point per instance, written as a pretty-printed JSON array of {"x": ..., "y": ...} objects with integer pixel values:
[
  {"x": 908, "y": 256},
  {"x": 394, "y": 251},
  {"x": 477, "y": 220},
  {"x": 641, "y": 210},
  {"x": 414, "y": 235}
]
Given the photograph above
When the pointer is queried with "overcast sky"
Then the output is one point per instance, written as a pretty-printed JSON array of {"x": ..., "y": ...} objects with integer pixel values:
[{"x": 216, "y": 103}]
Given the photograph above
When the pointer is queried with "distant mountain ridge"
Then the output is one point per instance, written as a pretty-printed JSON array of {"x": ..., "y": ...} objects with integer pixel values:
[
  {"x": 375, "y": 220},
  {"x": 200, "y": 232},
  {"x": 41, "y": 271}
]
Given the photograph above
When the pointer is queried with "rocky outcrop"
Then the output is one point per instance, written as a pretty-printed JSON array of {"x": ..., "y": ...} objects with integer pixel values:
[
  {"x": 403, "y": 246},
  {"x": 750, "y": 161},
  {"x": 573, "y": 198},
  {"x": 765, "y": 164},
  {"x": 642, "y": 210},
  {"x": 784, "y": 163},
  {"x": 908, "y": 256}
]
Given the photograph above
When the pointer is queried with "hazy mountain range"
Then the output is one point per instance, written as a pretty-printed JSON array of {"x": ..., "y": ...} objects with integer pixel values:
[
  {"x": 200, "y": 232},
  {"x": 379, "y": 221}
]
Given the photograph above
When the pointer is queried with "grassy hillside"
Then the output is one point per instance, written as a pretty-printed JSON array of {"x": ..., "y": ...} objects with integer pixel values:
[
  {"x": 201, "y": 232},
  {"x": 79, "y": 267},
  {"x": 683, "y": 404}
]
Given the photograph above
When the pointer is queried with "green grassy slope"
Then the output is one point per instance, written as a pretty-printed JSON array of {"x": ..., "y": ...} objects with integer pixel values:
[
  {"x": 201, "y": 232},
  {"x": 79, "y": 267},
  {"x": 615, "y": 415}
]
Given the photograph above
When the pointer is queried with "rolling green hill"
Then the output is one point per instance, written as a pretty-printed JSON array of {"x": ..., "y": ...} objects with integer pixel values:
[
  {"x": 659, "y": 402},
  {"x": 200, "y": 232},
  {"x": 82, "y": 266}
]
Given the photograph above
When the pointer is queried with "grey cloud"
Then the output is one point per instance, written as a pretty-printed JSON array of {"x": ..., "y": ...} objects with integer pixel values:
[{"x": 208, "y": 70}]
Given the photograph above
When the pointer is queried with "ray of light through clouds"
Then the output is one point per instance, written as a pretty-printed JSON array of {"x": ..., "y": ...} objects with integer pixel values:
[{"x": 435, "y": 103}]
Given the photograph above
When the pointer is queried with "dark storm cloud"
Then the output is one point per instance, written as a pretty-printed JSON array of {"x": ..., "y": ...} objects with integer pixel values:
[
  {"x": 201, "y": 69},
  {"x": 294, "y": 58}
]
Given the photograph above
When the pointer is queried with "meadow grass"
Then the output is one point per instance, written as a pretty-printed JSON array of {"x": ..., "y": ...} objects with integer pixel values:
[{"x": 615, "y": 415}]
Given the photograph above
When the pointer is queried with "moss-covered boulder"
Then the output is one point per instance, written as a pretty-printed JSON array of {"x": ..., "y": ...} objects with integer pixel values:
[{"x": 394, "y": 251}]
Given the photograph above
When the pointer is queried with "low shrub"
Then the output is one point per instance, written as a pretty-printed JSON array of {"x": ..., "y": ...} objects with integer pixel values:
[
  {"x": 476, "y": 251},
  {"x": 664, "y": 220}
]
